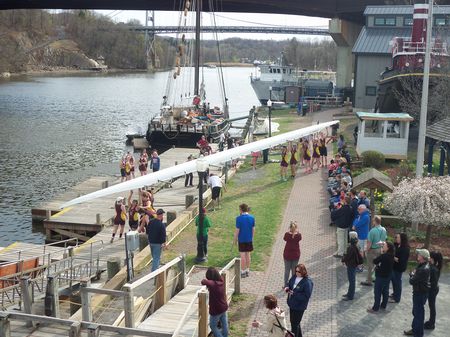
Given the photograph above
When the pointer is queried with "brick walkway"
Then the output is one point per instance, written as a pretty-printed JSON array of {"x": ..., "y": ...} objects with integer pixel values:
[{"x": 307, "y": 204}]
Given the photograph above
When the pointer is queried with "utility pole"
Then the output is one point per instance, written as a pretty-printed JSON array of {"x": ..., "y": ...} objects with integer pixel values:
[{"x": 424, "y": 101}]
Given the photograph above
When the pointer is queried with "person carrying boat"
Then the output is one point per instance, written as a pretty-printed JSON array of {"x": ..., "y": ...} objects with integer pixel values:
[
  {"x": 294, "y": 150},
  {"x": 323, "y": 141},
  {"x": 146, "y": 211},
  {"x": 133, "y": 213},
  {"x": 131, "y": 161},
  {"x": 119, "y": 219},
  {"x": 307, "y": 156},
  {"x": 284, "y": 163},
  {"x": 127, "y": 168},
  {"x": 123, "y": 174},
  {"x": 316, "y": 154},
  {"x": 143, "y": 161}
]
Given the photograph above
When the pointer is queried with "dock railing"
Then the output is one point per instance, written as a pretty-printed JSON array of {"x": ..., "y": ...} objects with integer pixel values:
[
  {"x": 231, "y": 275},
  {"x": 31, "y": 275},
  {"x": 158, "y": 298}
]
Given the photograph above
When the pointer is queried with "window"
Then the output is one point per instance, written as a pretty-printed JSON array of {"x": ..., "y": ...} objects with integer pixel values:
[
  {"x": 371, "y": 91},
  {"x": 284, "y": 71},
  {"x": 279, "y": 71},
  {"x": 385, "y": 21},
  {"x": 407, "y": 21},
  {"x": 439, "y": 21},
  {"x": 373, "y": 129}
]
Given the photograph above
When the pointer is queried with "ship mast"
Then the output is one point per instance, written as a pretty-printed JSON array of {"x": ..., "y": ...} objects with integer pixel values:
[{"x": 197, "y": 47}]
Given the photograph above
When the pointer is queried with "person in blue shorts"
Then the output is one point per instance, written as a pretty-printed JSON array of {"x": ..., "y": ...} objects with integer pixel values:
[{"x": 245, "y": 230}]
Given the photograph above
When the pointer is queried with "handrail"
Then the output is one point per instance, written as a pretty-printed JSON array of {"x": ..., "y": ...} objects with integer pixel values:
[
  {"x": 228, "y": 266},
  {"x": 83, "y": 324},
  {"x": 183, "y": 318},
  {"x": 158, "y": 271}
]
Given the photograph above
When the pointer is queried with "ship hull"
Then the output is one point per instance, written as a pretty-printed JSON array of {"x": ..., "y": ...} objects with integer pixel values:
[{"x": 393, "y": 85}]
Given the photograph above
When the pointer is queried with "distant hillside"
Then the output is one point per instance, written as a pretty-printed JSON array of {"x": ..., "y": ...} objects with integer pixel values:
[{"x": 38, "y": 40}]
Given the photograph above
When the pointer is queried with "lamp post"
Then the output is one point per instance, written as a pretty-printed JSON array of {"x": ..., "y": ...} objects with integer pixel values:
[
  {"x": 202, "y": 167},
  {"x": 269, "y": 105}
]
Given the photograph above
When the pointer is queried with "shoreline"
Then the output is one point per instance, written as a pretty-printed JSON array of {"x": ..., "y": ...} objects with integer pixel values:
[{"x": 68, "y": 71}]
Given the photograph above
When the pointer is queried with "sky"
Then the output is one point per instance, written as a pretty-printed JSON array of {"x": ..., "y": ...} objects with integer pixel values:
[{"x": 165, "y": 18}]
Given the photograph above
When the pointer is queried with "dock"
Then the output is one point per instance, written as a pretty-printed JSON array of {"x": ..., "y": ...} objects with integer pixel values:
[{"x": 85, "y": 220}]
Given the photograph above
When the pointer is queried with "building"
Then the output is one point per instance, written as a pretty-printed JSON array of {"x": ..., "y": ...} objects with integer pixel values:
[{"x": 372, "y": 49}]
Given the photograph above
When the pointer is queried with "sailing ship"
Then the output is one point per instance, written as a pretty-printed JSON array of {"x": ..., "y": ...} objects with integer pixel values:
[
  {"x": 185, "y": 114},
  {"x": 408, "y": 56}
]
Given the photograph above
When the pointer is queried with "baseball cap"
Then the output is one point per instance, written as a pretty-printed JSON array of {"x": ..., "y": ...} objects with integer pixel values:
[
  {"x": 160, "y": 211},
  {"x": 119, "y": 199},
  {"x": 424, "y": 253}
]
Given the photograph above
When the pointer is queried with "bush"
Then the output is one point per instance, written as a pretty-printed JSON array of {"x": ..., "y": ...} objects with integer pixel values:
[{"x": 373, "y": 159}]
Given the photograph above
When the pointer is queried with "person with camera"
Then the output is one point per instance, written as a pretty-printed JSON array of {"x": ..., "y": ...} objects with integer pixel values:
[
  {"x": 299, "y": 291},
  {"x": 275, "y": 321},
  {"x": 419, "y": 278}
]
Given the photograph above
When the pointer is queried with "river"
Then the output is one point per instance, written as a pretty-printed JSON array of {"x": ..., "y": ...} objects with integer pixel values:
[{"x": 56, "y": 131}]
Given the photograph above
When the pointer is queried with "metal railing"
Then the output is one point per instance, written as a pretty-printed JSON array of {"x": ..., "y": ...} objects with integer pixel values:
[
  {"x": 406, "y": 46},
  {"x": 68, "y": 270}
]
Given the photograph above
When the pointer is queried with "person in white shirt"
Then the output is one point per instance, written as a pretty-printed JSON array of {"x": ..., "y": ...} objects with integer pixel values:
[{"x": 216, "y": 185}]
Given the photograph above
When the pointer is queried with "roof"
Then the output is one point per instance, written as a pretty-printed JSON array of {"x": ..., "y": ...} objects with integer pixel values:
[
  {"x": 384, "y": 116},
  {"x": 376, "y": 40},
  {"x": 440, "y": 130},
  {"x": 401, "y": 10},
  {"x": 372, "y": 179}
]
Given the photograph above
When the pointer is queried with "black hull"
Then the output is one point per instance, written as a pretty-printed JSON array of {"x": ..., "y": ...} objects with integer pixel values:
[{"x": 167, "y": 139}]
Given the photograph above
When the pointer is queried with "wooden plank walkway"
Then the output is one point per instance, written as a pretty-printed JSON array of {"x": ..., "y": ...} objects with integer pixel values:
[{"x": 90, "y": 185}]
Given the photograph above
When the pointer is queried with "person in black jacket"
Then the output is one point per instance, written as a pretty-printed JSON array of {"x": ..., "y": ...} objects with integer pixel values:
[
  {"x": 342, "y": 217},
  {"x": 400, "y": 263},
  {"x": 156, "y": 233},
  {"x": 383, "y": 270},
  {"x": 419, "y": 278},
  {"x": 352, "y": 259},
  {"x": 435, "y": 273}
]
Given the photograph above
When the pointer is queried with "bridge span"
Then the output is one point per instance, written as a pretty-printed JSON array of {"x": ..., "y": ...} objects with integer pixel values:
[{"x": 237, "y": 29}]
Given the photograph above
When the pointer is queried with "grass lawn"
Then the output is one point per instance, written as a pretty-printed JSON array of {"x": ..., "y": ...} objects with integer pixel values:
[{"x": 265, "y": 194}]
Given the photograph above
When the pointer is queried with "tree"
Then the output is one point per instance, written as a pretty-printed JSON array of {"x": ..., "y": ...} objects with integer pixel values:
[{"x": 425, "y": 200}]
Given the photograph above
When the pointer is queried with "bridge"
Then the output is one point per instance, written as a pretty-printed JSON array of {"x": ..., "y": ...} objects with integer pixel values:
[
  {"x": 351, "y": 10},
  {"x": 237, "y": 29}
]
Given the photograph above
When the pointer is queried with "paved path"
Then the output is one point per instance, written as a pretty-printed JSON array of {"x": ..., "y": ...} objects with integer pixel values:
[
  {"x": 307, "y": 204},
  {"x": 327, "y": 315}
]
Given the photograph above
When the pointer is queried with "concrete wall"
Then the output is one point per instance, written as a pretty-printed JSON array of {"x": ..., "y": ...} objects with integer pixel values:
[{"x": 368, "y": 69}]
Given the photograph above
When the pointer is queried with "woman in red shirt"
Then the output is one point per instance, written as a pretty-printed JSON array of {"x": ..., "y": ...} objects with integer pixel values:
[
  {"x": 218, "y": 305},
  {"x": 291, "y": 252}
]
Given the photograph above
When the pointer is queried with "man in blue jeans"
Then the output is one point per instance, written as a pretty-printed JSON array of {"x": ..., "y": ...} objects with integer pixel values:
[
  {"x": 419, "y": 278},
  {"x": 156, "y": 232}
]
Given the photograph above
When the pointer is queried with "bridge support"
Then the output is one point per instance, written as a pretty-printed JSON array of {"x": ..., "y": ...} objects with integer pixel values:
[
  {"x": 344, "y": 33},
  {"x": 150, "y": 54}
]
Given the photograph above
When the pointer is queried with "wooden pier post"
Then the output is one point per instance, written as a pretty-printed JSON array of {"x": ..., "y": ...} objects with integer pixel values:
[
  {"x": 182, "y": 268},
  {"x": 25, "y": 288},
  {"x": 75, "y": 329},
  {"x": 5, "y": 325},
  {"x": 52, "y": 297},
  {"x": 203, "y": 314},
  {"x": 171, "y": 216},
  {"x": 143, "y": 241},
  {"x": 113, "y": 266},
  {"x": 93, "y": 330},
  {"x": 237, "y": 276},
  {"x": 189, "y": 200},
  {"x": 86, "y": 310},
  {"x": 128, "y": 306},
  {"x": 160, "y": 297},
  {"x": 225, "y": 284}
]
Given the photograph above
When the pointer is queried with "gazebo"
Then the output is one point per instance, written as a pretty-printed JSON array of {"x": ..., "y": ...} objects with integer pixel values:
[
  {"x": 387, "y": 133},
  {"x": 373, "y": 179},
  {"x": 439, "y": 132}
]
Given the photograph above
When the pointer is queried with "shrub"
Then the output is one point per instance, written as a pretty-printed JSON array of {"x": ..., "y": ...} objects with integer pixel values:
[{"x": 373, "y": 159}]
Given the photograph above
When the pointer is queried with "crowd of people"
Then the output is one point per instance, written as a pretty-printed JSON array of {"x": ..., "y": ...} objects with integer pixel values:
[{"x": 127, "y": 164}]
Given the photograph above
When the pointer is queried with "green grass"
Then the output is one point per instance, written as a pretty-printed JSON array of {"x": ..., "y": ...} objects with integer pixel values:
[{"x": 266, "y": 196}]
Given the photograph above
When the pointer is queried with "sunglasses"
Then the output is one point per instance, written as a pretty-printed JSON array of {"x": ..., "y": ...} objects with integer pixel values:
[{"x": 298, "y": 271}]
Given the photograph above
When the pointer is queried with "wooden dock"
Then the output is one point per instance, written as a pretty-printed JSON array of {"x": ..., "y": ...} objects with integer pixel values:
[{"x": 83, "y": 221}]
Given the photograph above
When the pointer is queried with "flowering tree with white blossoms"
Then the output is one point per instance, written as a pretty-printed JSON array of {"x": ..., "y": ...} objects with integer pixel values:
[{"x": 425, "y": 200}]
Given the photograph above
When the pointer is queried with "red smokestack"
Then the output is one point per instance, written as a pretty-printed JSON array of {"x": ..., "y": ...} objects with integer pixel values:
[{"x": 419, "y": 31}]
